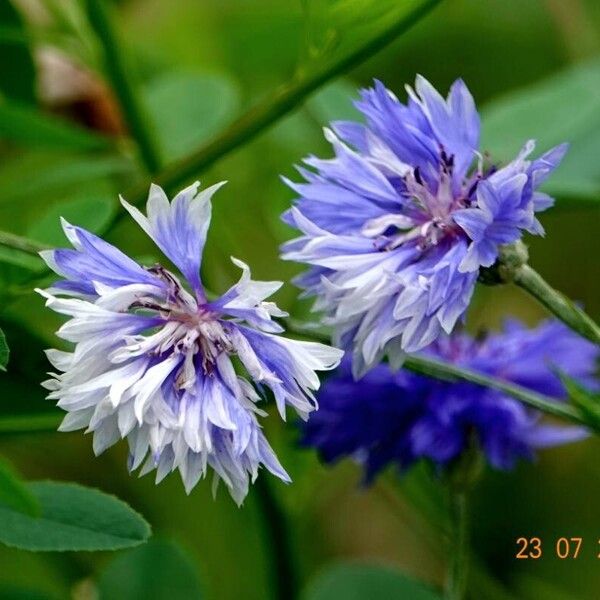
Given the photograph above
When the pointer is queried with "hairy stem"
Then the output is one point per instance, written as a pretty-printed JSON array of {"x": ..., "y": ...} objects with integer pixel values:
[
  {"x": 117, "y": 72},
  {"x": 444, "y": 371},
  {"x": 512, "y": 267},
  {"x": 278, "y": 541},
  {"x": 17, "y": 242},
  {"x": 438, "y": 369},
  {"x": 558, "y": 304},
  {"x": 275, "y": 106}
]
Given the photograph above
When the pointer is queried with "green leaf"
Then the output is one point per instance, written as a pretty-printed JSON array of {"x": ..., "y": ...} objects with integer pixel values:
[
  {"x": 73, "y": 517},
  {"x": 17, "y": 71},
  {"x": 55, "y": 174},
  {"x": 365, "y": 582},
  {"x": 563, "y": 108},
  {"x": 188, "y": 108},
  {"x": 4, "y": 351},
  {"x": 91, "y": 209},
  {"x": 334, "y": 102},
  {"x": 586, "y": 401},
  {"x": 14, "y": 493},
  {"x": 28, "y": 126},
  {"x": 160, "y": 570}
]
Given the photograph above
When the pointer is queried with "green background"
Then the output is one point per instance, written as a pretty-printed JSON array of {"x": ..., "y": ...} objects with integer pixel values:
[{"x": 199, "y": 64}]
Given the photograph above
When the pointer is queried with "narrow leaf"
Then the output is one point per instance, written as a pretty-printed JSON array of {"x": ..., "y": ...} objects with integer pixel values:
[
  {"x": 17, "y": 71},
  {"x": 73, "y": 517},
  {"x": 586, "y": 401}
]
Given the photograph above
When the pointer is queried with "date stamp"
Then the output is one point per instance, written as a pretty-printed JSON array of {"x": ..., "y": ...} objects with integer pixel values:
[{"x": 565, "y": 548}]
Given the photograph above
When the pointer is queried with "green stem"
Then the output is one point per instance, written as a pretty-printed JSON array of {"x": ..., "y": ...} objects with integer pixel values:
[
  {"x": 558, "y": 304},
  {"x": 117, "y": 73},
  {"x": 445, "y": 371},
  {"x": 456, "y": 584},
  {"x": 280, "y": 103},
  {"x": 17, "y": 242},
  {"x": 438, "y": 369},
  {"x": 279, "y": 543},
  {"x": 512, "y": 267}
]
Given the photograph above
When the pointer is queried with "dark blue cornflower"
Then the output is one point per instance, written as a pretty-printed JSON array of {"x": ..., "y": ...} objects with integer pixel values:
[
  {"x": 397, "y": 225},
  {"x": 399, "y": 418}
]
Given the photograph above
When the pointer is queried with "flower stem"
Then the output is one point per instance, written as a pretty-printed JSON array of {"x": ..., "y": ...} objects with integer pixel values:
[
  {"x": 558, "y": 304},
  {"x": 456, "y": 584},
  {"x": 278, "y": 541},
  {"x": 445, "y": 371},
  {"x": 17, "y": 242},
  {"x": 460, "y": 480},
  {"x": 512, "y": 267},
  {"x": 117, "y": 73},
  {"x": 281, "y": 102}
]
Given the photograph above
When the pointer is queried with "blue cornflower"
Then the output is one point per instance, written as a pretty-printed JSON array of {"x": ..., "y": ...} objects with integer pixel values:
[
  {"x": 397, "y": 225},
  {"x": 152, "y": 360},
  {"x": 399, "y": 418}
]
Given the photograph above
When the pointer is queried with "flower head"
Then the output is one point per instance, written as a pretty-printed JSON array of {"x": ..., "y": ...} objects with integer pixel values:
[
  {"x": 399, "y": 418},
  {"x": 152, "y": 360},
  {"x": 397, "y": 225}
]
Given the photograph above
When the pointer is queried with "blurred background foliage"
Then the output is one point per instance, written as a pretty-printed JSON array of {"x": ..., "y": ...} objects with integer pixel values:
[{"x": 534, "y": 68}]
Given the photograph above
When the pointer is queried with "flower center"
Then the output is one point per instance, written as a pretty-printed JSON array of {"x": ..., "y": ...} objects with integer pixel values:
[
  {"x": 190, "y": 329},
  {"x": 426, "y": 214}
]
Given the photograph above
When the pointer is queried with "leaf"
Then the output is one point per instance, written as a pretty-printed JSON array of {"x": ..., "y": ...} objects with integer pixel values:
[
  {"x": 563, "y": 108},
  {"x": 4, "y": 351},
  {"x": 337, "y": 29},
  {"x": 73, "y": 517},
  {"x": 160, "y": 570},
  {"x": 55, "y": 174},
  {"x": 14, "y": 494},
  {"x": 91, "y": 209},
  {"x": 17, "y": 71},
  {"x": 586, "y": 401},
  {"x": 334, "y": 102},
  {"x": 28, "y": 126},
  {"x": 188, "y": 108},
  {"x": 365, "y": 582}
]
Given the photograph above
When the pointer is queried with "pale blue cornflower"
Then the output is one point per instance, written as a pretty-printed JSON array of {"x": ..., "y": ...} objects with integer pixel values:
[
  {"x": 396, "y": 227},
  {"x": 152, "y": 358}
]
